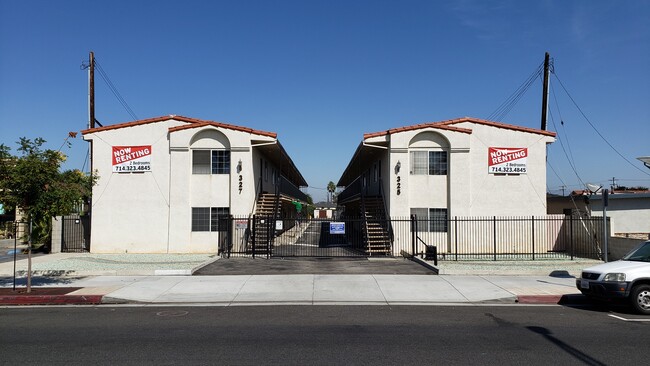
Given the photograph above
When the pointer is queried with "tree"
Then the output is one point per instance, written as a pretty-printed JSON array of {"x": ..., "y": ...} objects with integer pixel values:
[
  {"x": 331, "y": 187},
  {"x": 32, "y": 182}
]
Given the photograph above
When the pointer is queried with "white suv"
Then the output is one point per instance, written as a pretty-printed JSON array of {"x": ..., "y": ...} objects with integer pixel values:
[{"x": 628, "y": 278}]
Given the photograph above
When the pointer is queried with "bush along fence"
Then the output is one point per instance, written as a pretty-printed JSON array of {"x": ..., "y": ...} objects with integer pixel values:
[{"x": 458, "y": 238}]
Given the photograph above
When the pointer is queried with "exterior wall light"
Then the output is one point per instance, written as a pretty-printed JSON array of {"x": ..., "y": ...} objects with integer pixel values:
[
  {"x": 397, "y": 167},
  {"x": 239, "y": 167}
]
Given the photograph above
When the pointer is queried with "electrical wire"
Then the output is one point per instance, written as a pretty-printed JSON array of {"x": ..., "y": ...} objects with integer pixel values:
[
  {"x": 114, "y": 90},
  {"x": 505, "y": 107},
  {"x": 596, "y": 130},
  {"x": 564, "y": 133},
  {"x": 571, "y": 163}
]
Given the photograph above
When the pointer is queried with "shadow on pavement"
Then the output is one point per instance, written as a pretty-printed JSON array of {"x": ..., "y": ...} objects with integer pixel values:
[{"x": 37, "y": 281}]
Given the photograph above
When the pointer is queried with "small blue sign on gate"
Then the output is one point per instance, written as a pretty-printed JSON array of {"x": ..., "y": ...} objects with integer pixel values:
[{"x": 337, "y": 228}]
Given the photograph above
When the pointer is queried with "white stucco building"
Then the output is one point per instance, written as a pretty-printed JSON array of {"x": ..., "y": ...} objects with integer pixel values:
[
  {"x": 165, "y": 182},
  {"x": 461, "y": 167},
  {"x": 629, "y": 212},
  {"x": 466, "y": 167}
]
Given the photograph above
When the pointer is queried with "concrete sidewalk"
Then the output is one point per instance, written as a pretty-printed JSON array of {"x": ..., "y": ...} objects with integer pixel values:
[
  {"x": 310, "y": 290},
  {"x": 326, "y": 289},
  {"x": 164, "y": 279}
]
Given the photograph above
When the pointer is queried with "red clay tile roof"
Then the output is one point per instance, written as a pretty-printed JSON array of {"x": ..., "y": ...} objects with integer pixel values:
[
  {"x": 447, "y": 125},
  {"x": 193, "y": 123}
]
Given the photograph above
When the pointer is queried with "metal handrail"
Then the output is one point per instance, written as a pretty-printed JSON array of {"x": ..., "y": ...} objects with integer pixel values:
[
  {"x": 351, "y": 190},
  {"x": 386, "y": 215},
  {"x": 417, "y": 240},
  {"x": 291, "y": 190}
]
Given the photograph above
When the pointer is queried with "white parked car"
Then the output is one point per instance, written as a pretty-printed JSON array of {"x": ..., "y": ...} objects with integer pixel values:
[{"x": 628, "y": 278}]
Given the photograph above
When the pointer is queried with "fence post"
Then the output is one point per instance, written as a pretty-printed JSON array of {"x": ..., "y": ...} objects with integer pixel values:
[
  {"x": 414, "y": 227},
  {"x": 456, "y": 236},
  {"x": 571, "y": 234},
  {"x": 495, "y": 237},
  {"x": 270, "y": 230},
  {"x": 533, "y": 225},
  {"x": 254, "y": 235},
  {"x": 231, "y": 222}
]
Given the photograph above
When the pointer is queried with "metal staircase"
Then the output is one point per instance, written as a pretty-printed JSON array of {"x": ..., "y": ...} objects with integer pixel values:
[
  {"x": 376, "y": 229},
  {"x": 264, "y": 224}
]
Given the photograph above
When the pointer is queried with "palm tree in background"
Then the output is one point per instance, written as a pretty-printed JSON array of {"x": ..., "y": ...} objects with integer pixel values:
[{"x": 331, "y": 187}]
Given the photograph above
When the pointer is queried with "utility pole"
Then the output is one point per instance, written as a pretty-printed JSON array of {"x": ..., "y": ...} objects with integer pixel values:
[
  {"x": 613, "y": 183},
  {"x": 91, "y": 123},
  {"x": 91, "y": 92},
  {"x": 545, "y": 90}
]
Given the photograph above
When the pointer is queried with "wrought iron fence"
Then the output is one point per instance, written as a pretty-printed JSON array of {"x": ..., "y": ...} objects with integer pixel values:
[
  {"x": 261, "y": 236},
  {"x": 515, "y": 238},
  {"x": 458, "y": 238},
  {"x": 75, "y": 234}
]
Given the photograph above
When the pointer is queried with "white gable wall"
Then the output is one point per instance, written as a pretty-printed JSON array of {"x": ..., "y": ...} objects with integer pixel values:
[
  {"x": 151, "y": 212},
  {"x": 506, "y": 195},
  {"x": 130, "y": 210},
  {"x": 467, "y": 189}
]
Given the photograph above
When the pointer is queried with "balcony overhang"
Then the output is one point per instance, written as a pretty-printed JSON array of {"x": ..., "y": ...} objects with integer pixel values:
[
  {"x": 276, "y": 154},
  {"x": 365, "y": 155}
]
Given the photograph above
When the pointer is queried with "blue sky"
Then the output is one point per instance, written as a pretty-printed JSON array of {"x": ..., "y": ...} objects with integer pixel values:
[{"x": 322, "y": 73}]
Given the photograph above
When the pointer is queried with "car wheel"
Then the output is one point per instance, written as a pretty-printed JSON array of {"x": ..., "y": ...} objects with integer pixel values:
[{"x": 641, "y": 299}]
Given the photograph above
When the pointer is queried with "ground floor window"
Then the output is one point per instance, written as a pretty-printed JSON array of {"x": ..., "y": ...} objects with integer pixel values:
[
  {"x": 431, "y": 219},
  {"x": 210, "y": 218}
]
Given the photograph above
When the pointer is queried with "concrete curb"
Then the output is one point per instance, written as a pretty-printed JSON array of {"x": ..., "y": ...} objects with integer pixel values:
[
  {"x": 50, "y": 299},
  {"x": 572, "y": 299}
]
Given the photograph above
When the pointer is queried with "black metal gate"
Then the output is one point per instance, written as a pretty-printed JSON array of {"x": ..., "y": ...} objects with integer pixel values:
[
  {"x": 296, "y": 237},
  {"x": 75, "y": 234}
]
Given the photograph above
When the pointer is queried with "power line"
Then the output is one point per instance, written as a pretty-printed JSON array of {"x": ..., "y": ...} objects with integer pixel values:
[
  {"x": 595, "y": 129},
  {"x": 514, "y": 98},
  {"x": 564, "y": 133},
  {"x": 571, "y": 162},
  {"x": 114, "y": 90}
]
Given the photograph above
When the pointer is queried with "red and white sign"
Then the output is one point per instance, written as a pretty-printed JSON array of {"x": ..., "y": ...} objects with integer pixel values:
[
  {"x": 127, "y": 159},
  {"x": 507, "y": 160}
]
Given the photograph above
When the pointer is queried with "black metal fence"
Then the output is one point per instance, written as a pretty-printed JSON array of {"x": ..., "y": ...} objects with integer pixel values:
[
  {"x": 458, "y": 238},
  {"x": 75, "y": 234},
  {"x": 261, "y": 236},
  {"x": 514, "y": 238}
]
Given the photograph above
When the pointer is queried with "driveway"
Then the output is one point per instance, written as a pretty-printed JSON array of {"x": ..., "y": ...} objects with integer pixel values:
[{"x": 277, "y": 266}]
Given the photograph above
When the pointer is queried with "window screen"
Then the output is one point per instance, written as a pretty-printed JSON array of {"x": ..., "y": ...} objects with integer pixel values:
[
  {"x": 419, "y": 163},
  {"x": 422, "y": 218},
  {"x": 201, "y": 162}
]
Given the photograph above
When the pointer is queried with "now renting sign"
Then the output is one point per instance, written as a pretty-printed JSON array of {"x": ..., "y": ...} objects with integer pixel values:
[
  {"x": 507, "y": 160},
  {"x": 131, "y": 159}
]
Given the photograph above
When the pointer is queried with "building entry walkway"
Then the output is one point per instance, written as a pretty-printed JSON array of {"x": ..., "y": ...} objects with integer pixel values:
[{"x": 325, "y": 265}]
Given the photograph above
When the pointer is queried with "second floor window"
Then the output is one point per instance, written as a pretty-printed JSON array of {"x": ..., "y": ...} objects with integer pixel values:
[
  {"x": 210, "y": 162},
  {"x": 429, "y": 162}
]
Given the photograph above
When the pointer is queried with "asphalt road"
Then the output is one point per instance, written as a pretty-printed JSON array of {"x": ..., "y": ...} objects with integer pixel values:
[{"x": 321, "y": 335}]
